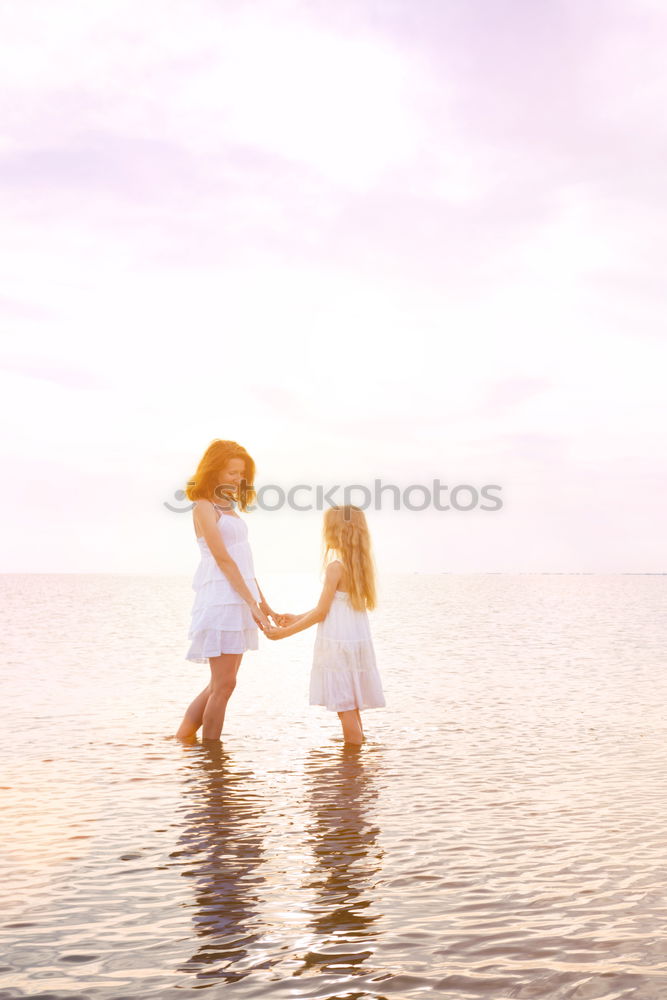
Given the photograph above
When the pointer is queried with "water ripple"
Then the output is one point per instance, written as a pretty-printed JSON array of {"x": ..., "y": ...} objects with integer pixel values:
[{"x": 500, "y": 835}]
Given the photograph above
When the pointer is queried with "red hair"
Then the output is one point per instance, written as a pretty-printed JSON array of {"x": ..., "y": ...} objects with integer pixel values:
[{"x": 214, "y": 460}]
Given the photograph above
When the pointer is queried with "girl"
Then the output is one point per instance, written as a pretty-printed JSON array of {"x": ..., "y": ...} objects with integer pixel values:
[
  {"x": 344, "y": 677},
  {"x": 229, "y": 604}
]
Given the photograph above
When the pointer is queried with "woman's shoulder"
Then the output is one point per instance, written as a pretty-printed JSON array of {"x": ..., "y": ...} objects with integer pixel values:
[{"x": 198, "y": 506}]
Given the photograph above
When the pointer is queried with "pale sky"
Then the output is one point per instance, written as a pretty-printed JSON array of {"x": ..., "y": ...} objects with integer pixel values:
[{"x": 397, "y": 240}]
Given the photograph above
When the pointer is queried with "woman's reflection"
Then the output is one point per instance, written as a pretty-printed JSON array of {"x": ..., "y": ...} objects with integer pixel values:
[
  {"x": 222, "y": 820},
  {"x": 340, "y": 794}
]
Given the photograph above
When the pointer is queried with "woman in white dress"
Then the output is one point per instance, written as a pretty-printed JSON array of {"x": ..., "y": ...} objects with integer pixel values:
[
  {"x": 344, "y": 677},
  {"x": 229, "y": 605}
]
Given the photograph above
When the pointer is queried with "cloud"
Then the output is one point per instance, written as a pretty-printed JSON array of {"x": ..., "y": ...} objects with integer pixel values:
[
  {"x": 507, "y": 393},
  {"x": 354, "y": 235},
  {"x": 54, "y": 371}
]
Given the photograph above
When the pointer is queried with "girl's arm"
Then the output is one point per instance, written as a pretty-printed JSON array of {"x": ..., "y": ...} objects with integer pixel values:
[{"x": 319, "y": 612}]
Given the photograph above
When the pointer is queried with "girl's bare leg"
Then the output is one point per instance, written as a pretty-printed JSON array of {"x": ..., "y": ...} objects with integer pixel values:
[
  {"x": 194, "y": 715},
  {"x": 224, "y": 669},
  {"x": 352, "y": 731}
]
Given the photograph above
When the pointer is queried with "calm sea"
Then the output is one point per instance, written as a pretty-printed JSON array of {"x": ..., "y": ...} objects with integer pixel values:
[{"x": 502, "y": 834}]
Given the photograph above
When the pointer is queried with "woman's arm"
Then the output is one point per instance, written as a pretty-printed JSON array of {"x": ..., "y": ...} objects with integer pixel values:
[
  {"x": 218, "y": 550},
  {"x": 263, "y": 603},
  {"x": 319, "y": 612}
]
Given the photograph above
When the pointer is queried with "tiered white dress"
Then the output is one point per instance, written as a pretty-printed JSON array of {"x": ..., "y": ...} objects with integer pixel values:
[
  {"x": 344, "y": 673},
  {"x": 221, "y": 620}
]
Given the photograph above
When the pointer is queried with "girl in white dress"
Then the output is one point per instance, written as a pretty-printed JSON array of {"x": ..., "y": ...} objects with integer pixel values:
[
  {"x": 344, "y": 676},
  {"x": 229, "y": 605}
]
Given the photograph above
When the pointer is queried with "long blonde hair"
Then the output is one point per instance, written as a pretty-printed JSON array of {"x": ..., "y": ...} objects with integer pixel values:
[
  {"x": 345, "y": 533},
  {"x": 215, "y": 458}
]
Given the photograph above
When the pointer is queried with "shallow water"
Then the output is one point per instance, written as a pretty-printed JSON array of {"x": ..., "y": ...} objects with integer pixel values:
[{"x": 502, "y": 834}]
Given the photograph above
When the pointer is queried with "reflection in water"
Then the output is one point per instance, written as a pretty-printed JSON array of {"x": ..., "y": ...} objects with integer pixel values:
[
  {"x": 541, "y": 701},
  {"x": 221, "y": 849},
  {"x": 339, "y": 792}
]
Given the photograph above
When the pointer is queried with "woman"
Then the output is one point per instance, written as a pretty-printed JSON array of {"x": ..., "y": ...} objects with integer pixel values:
[{"x": 229, "y": 604}]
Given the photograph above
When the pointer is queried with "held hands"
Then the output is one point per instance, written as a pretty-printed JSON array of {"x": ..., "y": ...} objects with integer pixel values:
[
  {"x": 284, "y": 619},
  {"x": 260, "y": 617},
  {"x": 283, "y": 628},
  {"x": 280, "y": 630},
  {"x": 275, "y": 632},
  {"x": 262, "y": 614}
]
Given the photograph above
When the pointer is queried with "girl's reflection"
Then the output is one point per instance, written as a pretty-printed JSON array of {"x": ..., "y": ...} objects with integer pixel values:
[
  {"x": 341, "y": 793},
  {"x": 223, "y": 853}
]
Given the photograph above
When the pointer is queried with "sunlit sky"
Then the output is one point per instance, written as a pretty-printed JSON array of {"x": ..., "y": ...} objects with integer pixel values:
[{"x": 398, "y": 240}]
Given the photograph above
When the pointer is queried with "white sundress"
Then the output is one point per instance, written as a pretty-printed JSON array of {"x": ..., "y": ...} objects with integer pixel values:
[
  {"x": 344, "y": 673},
  {"x": 221, "y": 620}
]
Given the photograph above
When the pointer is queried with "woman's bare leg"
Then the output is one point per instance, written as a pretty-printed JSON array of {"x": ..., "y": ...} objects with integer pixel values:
[
  {"x": 194, "y": 715},
  {"x": 352, "y": 731},
  {"x": 224, "y": 669},
  {"x": 361, "y": 725}
]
